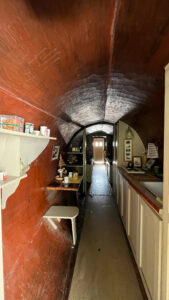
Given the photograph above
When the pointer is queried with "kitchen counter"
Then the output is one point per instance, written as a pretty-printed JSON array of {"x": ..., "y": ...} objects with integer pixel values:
[{"x": 135, "y": 180}]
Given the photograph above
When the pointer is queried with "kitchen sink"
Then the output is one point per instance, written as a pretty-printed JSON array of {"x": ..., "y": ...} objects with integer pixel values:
[{"x": 156, "y": 188}]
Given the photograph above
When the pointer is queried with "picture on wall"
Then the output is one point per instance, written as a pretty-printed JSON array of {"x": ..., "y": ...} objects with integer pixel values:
[
  {"x": 55, "y": 152},
  {"x": 128, "y": 147},
  {"x": 137, "y": 161}
]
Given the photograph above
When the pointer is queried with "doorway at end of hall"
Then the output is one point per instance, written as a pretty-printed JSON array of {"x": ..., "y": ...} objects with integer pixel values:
[{"x": 98, "y": 150}]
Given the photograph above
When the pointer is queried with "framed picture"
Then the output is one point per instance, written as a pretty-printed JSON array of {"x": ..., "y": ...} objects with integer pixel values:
[
  {"x": 55, "y": 152},
  {"x": 150, "y": 162},
  {"x": 128, "y": 149},
  {"x": 137, "y": 161}
]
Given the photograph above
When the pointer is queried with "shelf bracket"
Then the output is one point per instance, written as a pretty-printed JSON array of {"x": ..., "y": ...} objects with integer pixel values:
[{"x": 8, "y": 189}]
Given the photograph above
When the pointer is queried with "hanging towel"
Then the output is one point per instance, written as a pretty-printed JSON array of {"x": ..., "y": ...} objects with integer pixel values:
[{"x": 152, "y": 151}]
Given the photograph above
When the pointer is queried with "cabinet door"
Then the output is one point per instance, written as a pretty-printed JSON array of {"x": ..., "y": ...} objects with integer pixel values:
[
  {"x": 120, "y": 198},
  {"x": 125, "y": 204},
  {"x": 120, "y": 193},
  {"x": 150, "y": 249},
  {"x": 133, "y": 221},
  {"x": 117, "y": 187},
  {"x": 115, "y": 180}
]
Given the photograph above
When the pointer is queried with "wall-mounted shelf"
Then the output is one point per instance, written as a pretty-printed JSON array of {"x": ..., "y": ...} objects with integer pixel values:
[
  {"x": 10, "y": 180},
  {"x": 81, "y": 163},
  {"x": 27, "y": 135},
  {"x": 74, "y": 166},
  {"x": 74, "y": 153},
  {"x": 15, "y": 146}
]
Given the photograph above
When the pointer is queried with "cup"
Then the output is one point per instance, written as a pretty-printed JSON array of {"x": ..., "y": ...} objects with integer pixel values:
[
  {"x": 70, "y": 174},
  {"x": 66, "y": 179},
  {"x": 36, "y": 132}
]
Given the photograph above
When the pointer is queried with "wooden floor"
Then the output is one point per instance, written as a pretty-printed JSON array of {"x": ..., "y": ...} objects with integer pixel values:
[{"x": 104, "y": 269}]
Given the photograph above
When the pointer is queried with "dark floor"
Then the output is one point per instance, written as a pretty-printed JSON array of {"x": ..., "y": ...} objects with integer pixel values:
[{"x": 104, "y": 268}]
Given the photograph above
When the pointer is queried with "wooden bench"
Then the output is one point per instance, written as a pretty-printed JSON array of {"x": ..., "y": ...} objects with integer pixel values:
[{"x": 63, "y": 212}]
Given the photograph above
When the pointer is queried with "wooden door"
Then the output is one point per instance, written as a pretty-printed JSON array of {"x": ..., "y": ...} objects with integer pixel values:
[{"x": 98, "y": 150}]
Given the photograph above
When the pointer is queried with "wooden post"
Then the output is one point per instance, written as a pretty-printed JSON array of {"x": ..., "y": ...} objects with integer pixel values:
[
  {"x": 165, "y": 241},
  {"x": 84, "y": 162},
  {"x": 1, "y": 252}
]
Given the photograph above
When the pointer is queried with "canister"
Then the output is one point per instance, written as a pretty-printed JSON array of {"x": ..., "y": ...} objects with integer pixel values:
[
  {"x": 43, "y": 130},
  {"x": 156, "y": 170},
  {"x": 31, "y": 129},
  {"x": 27, "y": 127},
  {"x": 48, "y": 132}
]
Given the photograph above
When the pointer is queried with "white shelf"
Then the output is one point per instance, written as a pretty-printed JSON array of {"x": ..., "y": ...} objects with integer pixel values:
[
  {"x": 11, "y": 180},
  {"x": 15, "y": 146},
  {"x": 23, "y": 134}
]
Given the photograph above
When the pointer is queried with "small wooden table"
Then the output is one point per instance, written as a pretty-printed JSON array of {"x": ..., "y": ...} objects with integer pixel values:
[{"x": 73, "y": 185}]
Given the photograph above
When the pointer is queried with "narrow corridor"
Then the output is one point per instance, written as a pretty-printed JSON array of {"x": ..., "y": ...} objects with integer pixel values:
[{"x": 104, "y": 268}]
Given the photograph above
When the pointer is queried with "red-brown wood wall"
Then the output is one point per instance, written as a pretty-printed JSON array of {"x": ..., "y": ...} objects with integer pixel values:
[{"x": 36, "y": 258}]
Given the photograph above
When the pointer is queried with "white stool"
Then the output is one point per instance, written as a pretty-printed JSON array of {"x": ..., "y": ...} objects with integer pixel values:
[{"x": 63, "y": 212}]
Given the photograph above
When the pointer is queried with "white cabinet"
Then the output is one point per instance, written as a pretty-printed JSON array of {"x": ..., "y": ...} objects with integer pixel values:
[
  {"x": 115, "y": 181},
  {"x": 133, "y": 221},
  {"x": 144, "y": 229},
  {"x": 150, "y": 249},
  {"x": 120, "y": 193},
  {"x": 117, "y": 186},
  {"x": 121, "y": 196},
  {"x": 125, "y": 204}
]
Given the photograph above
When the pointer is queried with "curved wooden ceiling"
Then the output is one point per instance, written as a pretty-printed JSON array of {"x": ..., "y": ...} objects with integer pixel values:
[{"x": 84, "y": 61}]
